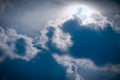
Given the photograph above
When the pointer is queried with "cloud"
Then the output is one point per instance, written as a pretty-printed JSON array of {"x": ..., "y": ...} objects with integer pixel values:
[
  {"x": 42, "y": 39},
  {"x": 73, "y": 66},
  {"x": 85, "y": 16},
  {"x": 67, "y": 62},
  {"x": 115, "y": 22},
  {"x": 62, "y": 40},
  {"x": 59, "y": 38},
  {"x": 8, "y": 40},
  {"x": 90, "y": 17}
]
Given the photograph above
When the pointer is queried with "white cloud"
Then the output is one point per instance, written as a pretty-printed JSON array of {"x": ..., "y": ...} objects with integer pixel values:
[
  {"x": 69, "y": 63},
  {"x": 11, "y": 36},
  {"x": 42, "y": 39},
  {"x": 61, "y": 39},
  {"x": 88, "y": 16}
]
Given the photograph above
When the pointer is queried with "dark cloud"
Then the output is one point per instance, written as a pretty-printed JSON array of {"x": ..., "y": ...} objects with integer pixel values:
[{"x": 93, "y": 44}]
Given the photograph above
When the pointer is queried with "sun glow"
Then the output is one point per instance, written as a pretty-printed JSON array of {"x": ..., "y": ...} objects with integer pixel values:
[
  {"x": 86, "y": 15},
  {"x": 81, "y": 11}
]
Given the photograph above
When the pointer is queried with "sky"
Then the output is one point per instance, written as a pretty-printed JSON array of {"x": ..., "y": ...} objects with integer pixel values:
[{"x": 59, "y": 40}]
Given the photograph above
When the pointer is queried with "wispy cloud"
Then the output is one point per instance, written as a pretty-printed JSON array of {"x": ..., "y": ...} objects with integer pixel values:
[
  {"x": 116, "y": 22},
  {"x": 85, "y": 16},
  {"x": 73, "y": 66}
]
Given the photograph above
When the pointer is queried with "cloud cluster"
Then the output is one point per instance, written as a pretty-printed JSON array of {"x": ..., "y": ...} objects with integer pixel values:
[
  {"x": 62, "y": 40},
  {"x": 74, "y": 65},
  {"x": 8, "y": 40},
  {"x": 85, "y": 16}
]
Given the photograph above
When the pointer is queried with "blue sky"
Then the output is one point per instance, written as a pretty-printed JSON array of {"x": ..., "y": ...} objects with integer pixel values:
[{"x": 59, "y": 40}]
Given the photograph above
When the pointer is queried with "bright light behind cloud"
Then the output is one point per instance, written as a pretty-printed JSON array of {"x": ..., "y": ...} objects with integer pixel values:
[
  {"x": 75, "y": 9},
  {"x": 85, "y": 15}
]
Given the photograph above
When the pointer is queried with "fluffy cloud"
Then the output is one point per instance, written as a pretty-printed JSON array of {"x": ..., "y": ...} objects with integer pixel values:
[
  {"x": 90, "y": 17},
  {"x": 8, "y": 40},
  {"x": 73, "y": 66},
  {"x": 42, "y": 39},
  {"x": 59, "y": 38}
]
